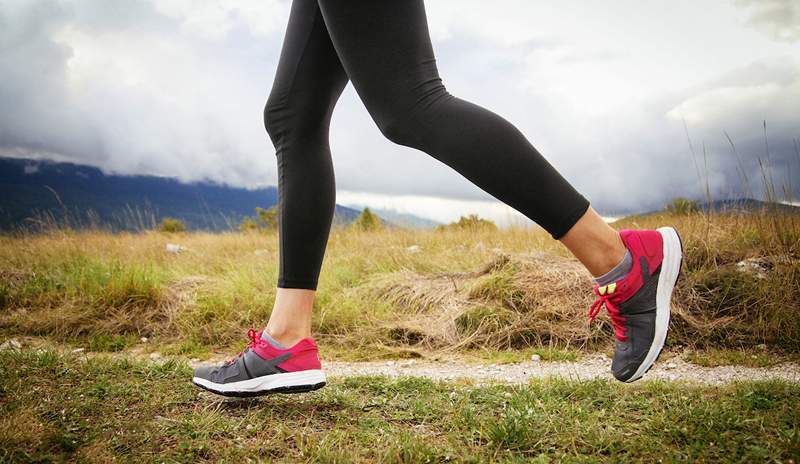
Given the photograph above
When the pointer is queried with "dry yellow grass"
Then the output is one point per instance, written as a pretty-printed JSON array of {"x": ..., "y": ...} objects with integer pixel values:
[
  {"x": 393, "y": 289},
  {"x": 515, "y": 301}
]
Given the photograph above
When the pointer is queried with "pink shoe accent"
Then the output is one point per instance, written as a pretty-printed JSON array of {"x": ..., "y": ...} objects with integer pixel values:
[
  {"x": 304, "y": 354},
  {"x": 640, "y": 243}
]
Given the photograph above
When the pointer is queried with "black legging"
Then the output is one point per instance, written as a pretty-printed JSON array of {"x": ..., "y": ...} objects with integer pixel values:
[{"x": 384, "y": 48}]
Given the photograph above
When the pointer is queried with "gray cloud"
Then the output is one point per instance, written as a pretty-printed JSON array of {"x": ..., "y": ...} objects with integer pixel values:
[
  {"x": 120, "y": 85},
  {"x": 657, "y": 157},
  {"x": 740, "y": 103},
  {"x": 779, "y": 19},
  {"x": 34, "y": 91},
  {"x": 177, "y": 88}
]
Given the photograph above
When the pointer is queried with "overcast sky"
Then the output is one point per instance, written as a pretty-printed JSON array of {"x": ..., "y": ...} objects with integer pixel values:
[{"x": 602, "y": 89}]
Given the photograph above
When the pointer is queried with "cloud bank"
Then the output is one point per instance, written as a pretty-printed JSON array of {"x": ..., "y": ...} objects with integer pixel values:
[{"x": 177, "y": 87}]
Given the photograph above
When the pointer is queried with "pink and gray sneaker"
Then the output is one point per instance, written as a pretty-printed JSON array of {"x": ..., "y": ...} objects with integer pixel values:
[
  {"x": 263, "y": 368},
  {"x": 639, "y": 303}
]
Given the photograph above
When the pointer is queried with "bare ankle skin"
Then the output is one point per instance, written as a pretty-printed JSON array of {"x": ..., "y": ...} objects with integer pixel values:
[
  {"x": 290, "y": 320},
  {"x": 596, "y": 244}
]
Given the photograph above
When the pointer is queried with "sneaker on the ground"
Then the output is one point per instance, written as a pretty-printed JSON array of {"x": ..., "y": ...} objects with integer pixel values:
[
  {"x": 262, "y": 369},
  {"x": 639, "y": 304}
]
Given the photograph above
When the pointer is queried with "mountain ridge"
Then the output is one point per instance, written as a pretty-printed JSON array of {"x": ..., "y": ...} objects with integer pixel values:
[{"x": 84, "y": 196}]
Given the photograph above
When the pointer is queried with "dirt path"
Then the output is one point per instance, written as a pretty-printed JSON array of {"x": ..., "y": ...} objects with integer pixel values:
[{"x": 591, "y": 367}]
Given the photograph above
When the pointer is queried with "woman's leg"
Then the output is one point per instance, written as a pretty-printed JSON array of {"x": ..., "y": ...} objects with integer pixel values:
[
  {"x": 283, "y": 358},
  {"x": 308, "y": 82},
  {"x": 386, "y": 50}
]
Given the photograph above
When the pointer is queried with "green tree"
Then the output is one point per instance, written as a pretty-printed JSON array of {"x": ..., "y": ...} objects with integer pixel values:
[
  {"x": 267, "y": 218},
  {"x": 682, "y": 207},
  {"x": 170, "y": 224},
  {"x": 471, "y": 222},
  {"x": 248, "y": 224},
  {"x": 367, "y": 221}
]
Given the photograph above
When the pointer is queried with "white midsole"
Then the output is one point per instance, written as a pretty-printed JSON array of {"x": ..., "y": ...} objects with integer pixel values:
[
  {"x": 266, "y": 382},
  {"x": 670, "y": 267}
]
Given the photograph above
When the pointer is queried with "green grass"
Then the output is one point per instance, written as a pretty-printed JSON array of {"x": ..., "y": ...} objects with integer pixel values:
[
  {"x": 110, "y": 343},
  {"x": 64, "y": 408},
  {"x": 95, "y": 282},
  {"x": 715, "y": 357}
]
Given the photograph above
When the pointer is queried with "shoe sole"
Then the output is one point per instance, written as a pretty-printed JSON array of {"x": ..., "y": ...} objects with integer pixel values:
[
  {"x": 289, "y": 382},
  {"x": 670, "y": 269}
]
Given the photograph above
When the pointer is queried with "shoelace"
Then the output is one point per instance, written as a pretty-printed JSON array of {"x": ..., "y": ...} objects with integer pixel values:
[
  {"x": 617, "y": 320},
  {"x": 254, "y": 338}
]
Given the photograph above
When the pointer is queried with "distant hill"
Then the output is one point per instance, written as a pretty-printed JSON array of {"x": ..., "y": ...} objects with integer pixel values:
[
  {"x": 742, "y": 205},
  {"x": 748, "y": 205},
  {"x": 410, "y": 221},
  {"x": 90, "y": 197}
]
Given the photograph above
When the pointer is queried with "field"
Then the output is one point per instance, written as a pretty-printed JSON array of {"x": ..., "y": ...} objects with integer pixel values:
[
  {"x": 495, "y": 296},
  {"x": 391, "y": 293}
]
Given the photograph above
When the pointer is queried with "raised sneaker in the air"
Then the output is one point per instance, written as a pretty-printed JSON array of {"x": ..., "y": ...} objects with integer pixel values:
[
  {"x": 639, "y": 305},
  {"x": 262, "y": 369}
]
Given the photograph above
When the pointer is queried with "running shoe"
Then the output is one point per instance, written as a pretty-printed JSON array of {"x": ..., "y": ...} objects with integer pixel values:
[
  {"x": 639, "y": 304},
  {"x": 262, "y": 368}
]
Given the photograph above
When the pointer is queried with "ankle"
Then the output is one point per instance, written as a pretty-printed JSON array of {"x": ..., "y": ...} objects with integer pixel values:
[
  {"x": 286, "y": 336},
  {"x": 618, "y": 272},
  {"x": 611, "y": 260},
  {"x": 596, "y": 245}
]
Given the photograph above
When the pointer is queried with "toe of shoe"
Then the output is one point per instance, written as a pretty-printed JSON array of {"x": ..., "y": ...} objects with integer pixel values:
[
  {"x": 203, "y": 372},
  {"x": 624, "y": 368},
  {"x": 625, "y": 373}
]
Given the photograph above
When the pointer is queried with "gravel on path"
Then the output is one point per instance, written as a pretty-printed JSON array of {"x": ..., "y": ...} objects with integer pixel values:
[{"x": 590, "y": 367}]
